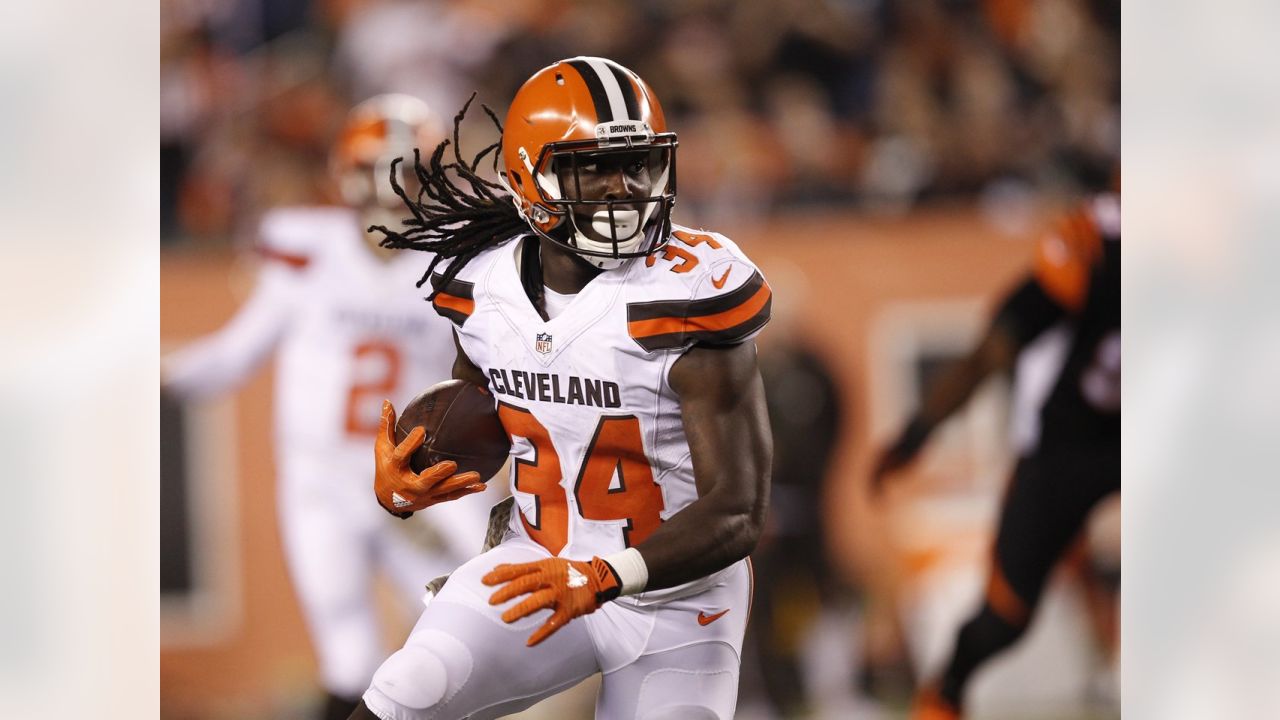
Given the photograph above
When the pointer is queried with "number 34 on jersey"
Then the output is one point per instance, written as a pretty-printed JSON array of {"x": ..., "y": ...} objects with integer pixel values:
[{"x": 616, "y": 452}]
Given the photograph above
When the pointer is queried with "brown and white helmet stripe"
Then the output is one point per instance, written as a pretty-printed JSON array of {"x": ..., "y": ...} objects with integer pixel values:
[{"x": 611, "y": 90}]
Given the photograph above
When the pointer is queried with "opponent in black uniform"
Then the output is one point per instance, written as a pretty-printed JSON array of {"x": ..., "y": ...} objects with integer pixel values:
[
  {"x": 1077, "y": 461},
  {"x": 794, "y": 574}
]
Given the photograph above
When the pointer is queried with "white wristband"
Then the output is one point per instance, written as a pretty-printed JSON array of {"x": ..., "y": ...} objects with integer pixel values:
[{"x": 632, "y": 572}]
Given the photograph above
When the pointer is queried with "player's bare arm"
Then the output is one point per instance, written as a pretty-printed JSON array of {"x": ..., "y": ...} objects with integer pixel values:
[
  {"x": 725, "y": 419},
  {"x": 1023, "y": 315},
  {"x": 994, "y": 354}
]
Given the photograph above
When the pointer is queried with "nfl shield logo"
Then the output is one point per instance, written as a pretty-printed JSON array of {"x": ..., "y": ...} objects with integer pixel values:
[{"x": 542, "y": 343}]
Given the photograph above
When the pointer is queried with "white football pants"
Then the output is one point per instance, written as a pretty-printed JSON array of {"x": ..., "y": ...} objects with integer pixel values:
[
  {"x": 336, "y": 539},
  {"x": 677, "y": 658}
]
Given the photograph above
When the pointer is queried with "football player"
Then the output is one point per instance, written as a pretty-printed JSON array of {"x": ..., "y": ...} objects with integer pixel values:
[
  {"x": 348, "y": 330},
  {"x": 1076, "y": 461},
  {"x": 619, "y": 352},
  {"x": 796, "y": 578}
]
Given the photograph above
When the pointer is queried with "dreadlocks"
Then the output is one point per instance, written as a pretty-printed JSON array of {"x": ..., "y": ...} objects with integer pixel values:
[{"x": 454, "y": 221}]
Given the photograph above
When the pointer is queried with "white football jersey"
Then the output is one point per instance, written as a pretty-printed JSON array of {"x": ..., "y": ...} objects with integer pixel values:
[
  {"x": 600, "y": 457},
  {"x": 349, "y": 330}
]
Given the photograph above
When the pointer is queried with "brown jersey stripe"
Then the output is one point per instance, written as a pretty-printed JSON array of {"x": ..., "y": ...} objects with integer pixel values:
[
  {"x": 454, "y": 300},
  {"x": 723, "y": 328},
  {"x": 689, "y": 308},
  {"x": 728, "y": 336},
  {"x": 737, "y": 333},
  {"x": 712, "y": 322},
  {"x": 457, "y": 288}
]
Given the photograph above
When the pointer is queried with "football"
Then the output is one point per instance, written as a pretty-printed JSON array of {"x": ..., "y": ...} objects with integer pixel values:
[{"x": 462, "y": 425}]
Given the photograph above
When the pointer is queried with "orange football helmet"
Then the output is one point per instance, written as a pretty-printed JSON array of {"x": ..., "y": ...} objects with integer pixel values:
[
  {"x": 572, "y": 115},
  {"x": 377, "y": 131}
]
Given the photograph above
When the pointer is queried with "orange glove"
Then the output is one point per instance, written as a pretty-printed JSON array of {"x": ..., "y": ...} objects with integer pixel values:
[
  {"x": 569, "y": 588},
  {"x": 401, "y": 491}
]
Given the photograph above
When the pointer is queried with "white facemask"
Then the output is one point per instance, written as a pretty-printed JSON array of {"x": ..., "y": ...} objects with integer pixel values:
[{"x": 629, "y": 224}]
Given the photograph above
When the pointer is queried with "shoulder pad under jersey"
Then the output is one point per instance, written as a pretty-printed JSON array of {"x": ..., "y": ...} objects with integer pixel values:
[
  {"x": 296, "y": 236},
  {"x": 455, "y": 298},
  {"x": 699, "y": 290}
]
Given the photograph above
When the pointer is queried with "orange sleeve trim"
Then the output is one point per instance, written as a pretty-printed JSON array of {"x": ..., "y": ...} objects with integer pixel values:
[
  {"x": 453, "y": 302},
  {"x": 703, "y": 323},
  {"x": 1003, "y": 600},
  {"x": 295, "y": 261},
  {"x": 454, "y": 299}
]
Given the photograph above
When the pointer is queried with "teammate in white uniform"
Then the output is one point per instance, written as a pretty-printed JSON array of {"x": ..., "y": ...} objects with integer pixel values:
[
  {"x": 349, "y": 330},
  {"x": 619, "y": 353}
]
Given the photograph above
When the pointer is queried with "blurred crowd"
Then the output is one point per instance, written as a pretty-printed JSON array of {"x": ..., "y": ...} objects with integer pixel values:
[{"x": 878, "y": 104}]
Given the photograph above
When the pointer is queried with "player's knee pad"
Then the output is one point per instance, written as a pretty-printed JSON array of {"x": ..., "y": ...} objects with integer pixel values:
[
  {"x": 681, "y": 712},
  {"x": 682, "y": 694},
  {"x": 413, "y": 677}
]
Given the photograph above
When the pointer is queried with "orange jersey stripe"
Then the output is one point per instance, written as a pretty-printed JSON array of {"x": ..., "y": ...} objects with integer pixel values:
[
  {"x": 293, "y": 260},
  {"x": 1003, "y": 600},
  {"x": 465, "y": 306},
  {"x": 702, "y": 323}
]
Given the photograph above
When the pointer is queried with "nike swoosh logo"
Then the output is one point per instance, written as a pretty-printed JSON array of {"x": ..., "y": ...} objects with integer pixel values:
[
  {"x": 720, "y": 283},
  {"x": 705, "y": 619}
]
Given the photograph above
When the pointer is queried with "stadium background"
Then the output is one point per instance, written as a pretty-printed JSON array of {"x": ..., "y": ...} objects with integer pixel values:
[{"x": 887, "y": 163}]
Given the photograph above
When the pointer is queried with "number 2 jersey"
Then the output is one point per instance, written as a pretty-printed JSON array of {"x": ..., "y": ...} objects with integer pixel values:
[
  {"x": 349, "y": 330},
  {"x": 600, "y": 455}
]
